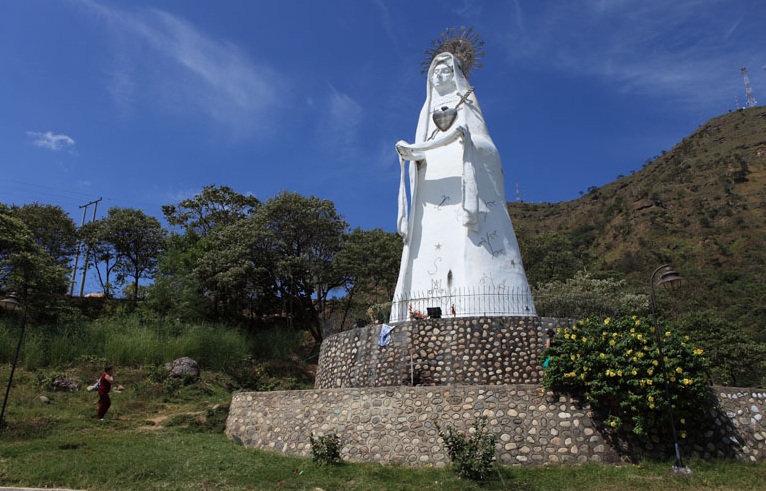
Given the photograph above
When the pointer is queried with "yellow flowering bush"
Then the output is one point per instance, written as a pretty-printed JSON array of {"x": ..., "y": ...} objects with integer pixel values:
[{"x": 615, "y": 365}]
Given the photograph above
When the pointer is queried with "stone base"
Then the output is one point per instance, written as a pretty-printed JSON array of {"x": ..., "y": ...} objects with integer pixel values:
[
  {"x": 397, "y": 425},
  {"x": 446, "y": 351}
]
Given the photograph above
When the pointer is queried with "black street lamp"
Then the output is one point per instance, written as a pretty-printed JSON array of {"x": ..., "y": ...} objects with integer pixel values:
[
  {"x": 11, "y": 302},
  {"x": 667, "y": 278}
]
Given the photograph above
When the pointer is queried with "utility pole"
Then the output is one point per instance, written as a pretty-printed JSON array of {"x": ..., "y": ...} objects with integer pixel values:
[{"x": 79, "y": 246}]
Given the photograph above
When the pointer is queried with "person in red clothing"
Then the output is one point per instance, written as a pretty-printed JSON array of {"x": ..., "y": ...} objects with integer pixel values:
[{"x": 104, "y": 386}]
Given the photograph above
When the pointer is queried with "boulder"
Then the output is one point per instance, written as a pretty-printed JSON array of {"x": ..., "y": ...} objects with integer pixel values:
[
  {"x": 62, "y": 383},
  {"x": 183, "y": 367}
]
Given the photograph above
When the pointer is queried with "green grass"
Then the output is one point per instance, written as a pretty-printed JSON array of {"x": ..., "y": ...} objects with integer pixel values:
[{"x": 165, "y": 436}]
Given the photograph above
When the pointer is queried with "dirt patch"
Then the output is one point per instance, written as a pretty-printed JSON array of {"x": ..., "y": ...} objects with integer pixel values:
[{"x": 156, "y": 424}]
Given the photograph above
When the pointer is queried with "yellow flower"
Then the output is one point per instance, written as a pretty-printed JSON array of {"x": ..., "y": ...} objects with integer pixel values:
[
  {"x": 634, "y": 372},
  {"x": 619, "y": 373},
  {"x": 651, "y": 398},
  {"x": 687, "y": 381},
  {"x": 632, "y": 329},
  {"x": 566, "y": 336},
  {"x": 683, "y": 434},
  {"x": 667, "y": 334},
  {"x": 650, "y": 371},
  {"x": 601, "y": 355},
  {"x": 683, "y": 421},
  {"x": 651, "y": 406},
  {"x": 640, "y": 354},
  {"x": 613, "y": 424},
  {"x": 655, "y": 362},
  {"x": 574, "y": 328},
  {"x": 611, "y": 342},
  {"x": 698, "y": 351},
  {"x": 629, "y": 352},
  {"x": 638, "y": 322},
  {"x": 607, "y": 320},
  {"x": 634, "y": 317},
  {"x": 648, "y": 381},
  {"x": 584, "y": 339},
  {"x": 572, "y": 357},
  {"x": 679, "y": 370},
  {"x": 640, "y": 336},
  {"x": 672, "y": 379}
]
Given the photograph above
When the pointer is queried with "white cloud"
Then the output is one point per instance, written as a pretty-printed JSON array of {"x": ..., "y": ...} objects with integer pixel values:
[
  {"x": 165, "y": 59},
  {"x": 681, "y": 49},
  {"x": 50, "y": 141},
  {"x": 339, "y": 132}
]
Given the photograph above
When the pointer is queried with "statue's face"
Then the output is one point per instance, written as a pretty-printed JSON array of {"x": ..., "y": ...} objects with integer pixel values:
[{"x": 443, "y": 75}]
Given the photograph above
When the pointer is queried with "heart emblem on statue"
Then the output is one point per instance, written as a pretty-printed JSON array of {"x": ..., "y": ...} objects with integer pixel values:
[{"x": 444, "y": 117}]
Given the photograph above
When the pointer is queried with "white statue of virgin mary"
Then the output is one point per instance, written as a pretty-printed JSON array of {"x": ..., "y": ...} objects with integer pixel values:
[{"x": 460, "y": 250}]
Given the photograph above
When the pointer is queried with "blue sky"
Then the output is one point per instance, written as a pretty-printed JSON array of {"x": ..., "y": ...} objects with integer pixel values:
[{"x": 145, "y": 102}]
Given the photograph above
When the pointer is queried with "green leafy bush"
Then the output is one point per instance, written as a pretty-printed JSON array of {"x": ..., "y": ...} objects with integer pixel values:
[
  {"x": 472, "y": 455},
  {"x": 615, "y": 365},
  {"x": 325, "y": 449}
]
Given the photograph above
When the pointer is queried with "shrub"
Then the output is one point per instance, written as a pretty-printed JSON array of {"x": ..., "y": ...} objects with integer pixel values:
[
  {"x": 325, "y": 450},
  {"x": 472, "y": 455},
  {"x": 614, "y": 364}
]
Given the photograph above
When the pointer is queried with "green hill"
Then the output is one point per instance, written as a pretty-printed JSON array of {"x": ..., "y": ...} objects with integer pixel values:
[{"x": 700, "y": 206}]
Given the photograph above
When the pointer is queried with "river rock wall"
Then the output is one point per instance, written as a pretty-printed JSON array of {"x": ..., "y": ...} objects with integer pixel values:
[
  {"x": 447, "y": 351},
  {"x": 397, "y": 425}
]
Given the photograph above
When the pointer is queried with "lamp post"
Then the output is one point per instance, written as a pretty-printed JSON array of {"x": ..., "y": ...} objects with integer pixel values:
[
  {"x": 667, "y": 278},
  {"x": 11, "y": 302}
]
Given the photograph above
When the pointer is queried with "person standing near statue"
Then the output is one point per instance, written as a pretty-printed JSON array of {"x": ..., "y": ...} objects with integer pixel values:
[{"x": 104, "y": 387}]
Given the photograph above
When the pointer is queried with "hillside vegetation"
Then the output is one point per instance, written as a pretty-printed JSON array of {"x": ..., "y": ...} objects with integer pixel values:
[{"x": 700, "y": 206}]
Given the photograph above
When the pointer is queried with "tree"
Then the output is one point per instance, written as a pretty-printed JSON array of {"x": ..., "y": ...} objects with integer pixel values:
[
  {"x": 549, "y": 256},
  {"x": 369, "y": 262},
  {"x": 585, "y": 295},
  {"x": 297, "y": 238},
  {"x": 93, "y": 236},
  {"x": 128, "y": 242},
  {"x": 214, "y": 206},
  {"x": 26, "y": 267},
  {"x": 176, "y": 289},
  {"x": 736, "y": 359},
  {"x": 236, "y": 272},
  {"x": 51, "y": 228},
  {"x": 138, "y": 239}
]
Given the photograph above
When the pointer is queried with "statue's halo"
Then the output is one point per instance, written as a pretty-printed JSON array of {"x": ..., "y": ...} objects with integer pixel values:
[{"x": 463, "y": 43}]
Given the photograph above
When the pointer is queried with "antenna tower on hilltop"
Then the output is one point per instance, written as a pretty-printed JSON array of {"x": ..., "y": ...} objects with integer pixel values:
[{"x": 748, "y": 90}]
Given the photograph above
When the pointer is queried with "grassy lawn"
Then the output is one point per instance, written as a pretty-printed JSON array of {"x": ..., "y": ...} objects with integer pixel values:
[{"x": 164, "y": 436}]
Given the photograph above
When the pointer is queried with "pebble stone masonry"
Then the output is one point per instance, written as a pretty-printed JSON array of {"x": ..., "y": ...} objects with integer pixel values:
[{"x": 462, "y": 371}]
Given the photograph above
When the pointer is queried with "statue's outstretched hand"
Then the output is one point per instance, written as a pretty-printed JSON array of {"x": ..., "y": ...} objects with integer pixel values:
[{"x": 406, "y": 151}]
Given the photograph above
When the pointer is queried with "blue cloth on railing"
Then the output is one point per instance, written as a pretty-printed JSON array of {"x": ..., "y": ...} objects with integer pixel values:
[{"x": 385, "y": 334}]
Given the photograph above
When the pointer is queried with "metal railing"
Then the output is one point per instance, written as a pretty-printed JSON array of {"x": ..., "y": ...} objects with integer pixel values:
[{"x": 463, "y": 302}]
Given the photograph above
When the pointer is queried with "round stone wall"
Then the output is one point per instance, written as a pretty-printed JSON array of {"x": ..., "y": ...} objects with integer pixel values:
[{"x": 448, "y": 351}]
